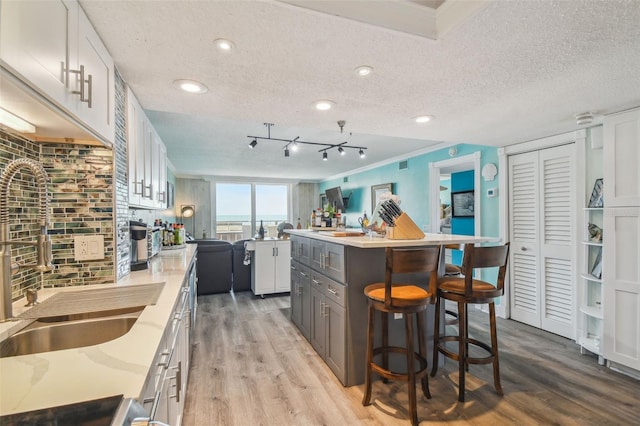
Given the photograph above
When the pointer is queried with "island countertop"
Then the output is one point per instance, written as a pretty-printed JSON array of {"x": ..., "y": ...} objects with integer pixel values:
[
  {"x": 367, "y": 242},
  {"x": 120, "y": 366}
]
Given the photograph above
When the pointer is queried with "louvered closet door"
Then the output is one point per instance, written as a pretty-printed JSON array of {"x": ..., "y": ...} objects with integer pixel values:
[
  {"x": 524, "y": 265},
  {"x": 543, "y": 238}
]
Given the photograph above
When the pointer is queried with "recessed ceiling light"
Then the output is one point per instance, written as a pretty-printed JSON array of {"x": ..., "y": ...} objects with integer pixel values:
[
  {"x": 191, "y": 86},
  {"x": 363, "y": 71},
  {"x": 324, "y": 104},
  {"x": 223, "y": 44},
  {"x": 423, "y": 118}
]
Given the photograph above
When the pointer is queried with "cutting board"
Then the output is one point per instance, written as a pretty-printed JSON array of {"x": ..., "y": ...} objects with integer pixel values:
[{"x": 347, "y": 234}]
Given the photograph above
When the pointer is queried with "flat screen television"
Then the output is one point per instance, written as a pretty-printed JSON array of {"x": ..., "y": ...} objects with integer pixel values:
[
  {"x": 335, "y": 198},
  {"x": 462, "y": 204}
]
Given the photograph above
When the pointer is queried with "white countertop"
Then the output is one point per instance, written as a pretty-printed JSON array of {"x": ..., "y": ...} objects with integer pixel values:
[
  {"x": 31, "y": 382},
  {"x": 379, "y": 242}
]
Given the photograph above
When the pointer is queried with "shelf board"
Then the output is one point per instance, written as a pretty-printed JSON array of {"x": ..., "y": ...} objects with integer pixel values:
[
  {"x": 589, "y": 343},
  {"x": 592, "y": 311},
  {"x": 590, "y": 277},
  {"x": 593, "y": 209},
  {"x": 590, "y": 243}
]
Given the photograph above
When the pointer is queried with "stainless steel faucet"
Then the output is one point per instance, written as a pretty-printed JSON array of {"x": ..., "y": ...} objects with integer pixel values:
[{"x": 43, "y": 242}]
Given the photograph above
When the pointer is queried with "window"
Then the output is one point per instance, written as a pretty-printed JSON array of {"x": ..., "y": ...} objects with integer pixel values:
[{"x": 241, "y": 206}]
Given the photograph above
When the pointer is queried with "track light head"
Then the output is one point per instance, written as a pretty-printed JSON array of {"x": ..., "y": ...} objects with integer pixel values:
[
  {"x": 286, "y": 152},
  {"x": 341, "y": 150},
  {"x": 325, "y": 157},
  {"x": 361, "y": 152},
  {"x": 253, "y": 143}
]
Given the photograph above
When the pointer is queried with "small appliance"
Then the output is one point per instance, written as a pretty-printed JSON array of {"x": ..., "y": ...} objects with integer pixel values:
[{"x": 139, "y": 250}]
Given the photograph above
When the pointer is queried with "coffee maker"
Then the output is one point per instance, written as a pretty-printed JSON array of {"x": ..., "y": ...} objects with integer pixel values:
[{"x": 139, "y": 251}]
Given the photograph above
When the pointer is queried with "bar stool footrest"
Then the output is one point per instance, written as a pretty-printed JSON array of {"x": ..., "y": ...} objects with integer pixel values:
[
  {"x": 392, "y": 375},
  {"x": 470, "y": 360}
]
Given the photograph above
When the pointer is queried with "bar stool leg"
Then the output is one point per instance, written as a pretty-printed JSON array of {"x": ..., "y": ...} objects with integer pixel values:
[
  {"x": 462, "y": 347},
  {"x": 466, "y": 337},
  {"x": 421, "y": 318},
  {"x": 436, "y": 339},
  {"x": 494, "y": 348},
  {"x": 366, "y": 399},
  {"x": 411, "y": 369},
  {"x": 385, "y": 343}
]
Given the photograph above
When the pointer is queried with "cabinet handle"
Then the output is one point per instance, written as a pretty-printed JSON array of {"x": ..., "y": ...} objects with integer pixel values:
[
  {"x": 150, "y": 188},
  {"x": 164, "y": 353},
  {"x": 332, "y": 291},
  {"x": 81, "y": 92},
  {"x": 135, "y": 187},
  {"x": 293, "y": 268},
  {"x": 89, "y": 99},
  {"x": 322, "y": 308},
  {"x": 304, "y": 274},
  {"x": 315, "y": 281},
  {"x": 161, "y": 196},
  {"x": 277, "y": 251},
  {"x": 178, "y": 378},
  {"x": 154, "y": 407}
]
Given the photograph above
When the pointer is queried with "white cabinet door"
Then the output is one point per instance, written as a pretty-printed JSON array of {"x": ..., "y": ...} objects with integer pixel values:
[
  {"x": 97, "y": 107},
  {"x": 135, "y": 156},
  {"x": 621, "y": 158},
  {"x": 264, "y": 268},
  {"x": 162, "y": 173},
  {"x": 282, "y": 266},
  {"x": 35, "y": 43},
  {"x": 621, "y": 276},
  {"x": 53, "y": 48}
]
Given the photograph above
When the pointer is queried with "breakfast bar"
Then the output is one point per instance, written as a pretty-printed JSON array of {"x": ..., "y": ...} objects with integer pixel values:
[{"x": 328, "y": 277}]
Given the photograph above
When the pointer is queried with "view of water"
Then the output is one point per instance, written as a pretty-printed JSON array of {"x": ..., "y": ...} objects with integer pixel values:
[{"x": 267, "y": 218}]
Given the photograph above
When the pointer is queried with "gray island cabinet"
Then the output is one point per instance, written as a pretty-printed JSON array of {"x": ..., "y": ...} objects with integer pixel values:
[{"x": 328, "y": 277}]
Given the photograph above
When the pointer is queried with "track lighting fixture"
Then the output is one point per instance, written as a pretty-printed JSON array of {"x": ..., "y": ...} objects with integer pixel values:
[{"x": 292, "y": 144}]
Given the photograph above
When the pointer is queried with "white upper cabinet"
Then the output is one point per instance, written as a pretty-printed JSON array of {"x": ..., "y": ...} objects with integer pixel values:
[
  {"x": 52, "y": 47},
  {"x": 621, "y": 159},
  {"x": 147, "y": 159}
]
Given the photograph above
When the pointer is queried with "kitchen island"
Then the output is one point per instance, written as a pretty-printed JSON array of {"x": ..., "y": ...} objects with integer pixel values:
[
  {"x": 117, "y": 367},
  {"x": 328, "y": 276}
]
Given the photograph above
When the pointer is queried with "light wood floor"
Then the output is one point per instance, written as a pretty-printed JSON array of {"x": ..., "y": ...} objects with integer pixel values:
[{"x": 251, "y": 366}]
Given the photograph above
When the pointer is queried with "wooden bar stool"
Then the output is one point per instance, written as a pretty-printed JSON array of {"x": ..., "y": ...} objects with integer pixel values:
[
  {"x": 465, "y": 291},
  {"x": 410, "y": 301}
]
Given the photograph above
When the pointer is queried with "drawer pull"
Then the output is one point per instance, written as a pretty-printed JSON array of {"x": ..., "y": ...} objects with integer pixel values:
[{"x": 332, "y": 291}]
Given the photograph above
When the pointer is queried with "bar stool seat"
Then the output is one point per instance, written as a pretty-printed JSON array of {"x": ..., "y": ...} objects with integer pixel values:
[
  {"x": 411, "y": 301},
  {"x": 465, "y": 291}
]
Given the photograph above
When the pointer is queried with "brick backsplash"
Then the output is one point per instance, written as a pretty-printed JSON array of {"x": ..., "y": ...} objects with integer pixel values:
[{"x": 121, "y": 182}]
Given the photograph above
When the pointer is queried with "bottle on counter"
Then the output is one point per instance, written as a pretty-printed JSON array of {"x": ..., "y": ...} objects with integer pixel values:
[
  {"x": 261, "y": 231},
  {"x": 313, "y": 218},
  {"x": 299, "y": 226},
  {"x": 365, "y": 220}
]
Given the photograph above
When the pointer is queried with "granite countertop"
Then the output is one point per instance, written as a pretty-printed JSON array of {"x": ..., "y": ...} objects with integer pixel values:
[
  {"x": 117, "y": 367},
  {"x": 380, "y": 242}
]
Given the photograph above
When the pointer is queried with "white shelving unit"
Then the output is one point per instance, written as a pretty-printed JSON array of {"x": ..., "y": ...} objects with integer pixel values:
[{"x": 591, "y": 312}]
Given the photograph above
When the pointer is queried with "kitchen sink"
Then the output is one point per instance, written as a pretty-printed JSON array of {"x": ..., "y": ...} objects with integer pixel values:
[{"x": 70, "y": 331}]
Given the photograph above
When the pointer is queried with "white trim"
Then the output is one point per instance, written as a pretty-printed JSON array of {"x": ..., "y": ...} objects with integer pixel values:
[
  {"x": 503, "y": 309},
  {"x": 548, "y": 142},
  {"x": 434, "y": 178}
]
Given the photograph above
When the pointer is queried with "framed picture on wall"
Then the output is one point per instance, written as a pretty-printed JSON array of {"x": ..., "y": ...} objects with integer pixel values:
[
  {"x": 596, "y": 195},
  {"x": 376, "y": 193},
  {"x": 463, "y": 204}
]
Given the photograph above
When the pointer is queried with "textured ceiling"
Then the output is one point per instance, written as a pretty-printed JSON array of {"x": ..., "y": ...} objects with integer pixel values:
[{"x": 512, "y": 71}]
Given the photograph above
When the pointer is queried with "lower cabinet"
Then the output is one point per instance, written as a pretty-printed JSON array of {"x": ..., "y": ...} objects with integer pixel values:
[
  {"x": 328, "y": 322},
  {"x": 301, "y": 297},
  {"x": 270, "y": 267},
  {"x": 166, "y": 387}
]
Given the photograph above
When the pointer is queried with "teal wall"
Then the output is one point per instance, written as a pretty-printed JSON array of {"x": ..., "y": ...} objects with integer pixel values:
[{"x": 412, "y": 186}]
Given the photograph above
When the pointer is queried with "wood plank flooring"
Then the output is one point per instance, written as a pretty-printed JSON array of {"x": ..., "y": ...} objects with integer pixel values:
[{"x": 251, "y": 366}]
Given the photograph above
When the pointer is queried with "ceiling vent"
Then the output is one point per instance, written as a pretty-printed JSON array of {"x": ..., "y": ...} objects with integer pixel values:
[{"x": 584, "y": 118}]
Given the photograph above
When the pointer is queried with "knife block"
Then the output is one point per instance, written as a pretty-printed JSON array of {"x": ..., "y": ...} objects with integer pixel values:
[{"x": 405, "y": 229}]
